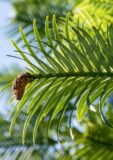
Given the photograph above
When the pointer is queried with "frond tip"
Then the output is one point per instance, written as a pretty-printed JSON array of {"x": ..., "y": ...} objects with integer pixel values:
[{"x": 77, "y": 70}]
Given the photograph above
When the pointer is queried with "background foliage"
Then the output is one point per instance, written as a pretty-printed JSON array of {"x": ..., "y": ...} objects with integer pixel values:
[{"x": 92, "y": 138}]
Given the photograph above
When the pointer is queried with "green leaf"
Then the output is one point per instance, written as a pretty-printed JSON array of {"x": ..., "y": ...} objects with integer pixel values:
[{"x": 72, "y": 72}]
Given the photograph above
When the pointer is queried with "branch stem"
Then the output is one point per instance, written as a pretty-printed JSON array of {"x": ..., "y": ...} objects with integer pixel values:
[{"x": 77, "y": 74}]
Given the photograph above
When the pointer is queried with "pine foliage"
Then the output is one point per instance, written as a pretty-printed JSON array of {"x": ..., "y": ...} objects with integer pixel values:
[{"x": 74, "y": 72}]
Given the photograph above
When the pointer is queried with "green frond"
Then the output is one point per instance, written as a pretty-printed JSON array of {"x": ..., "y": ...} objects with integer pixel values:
[
  {"x": 86, "y": 13},
  {"x": 34, "y": 9},
  {"x": 81, "y": 72},
  {"x": 91, "y": 143},
  {"x": 12, "y": 148},
  {"x": 94, "y": 144},
  {"x": 93, "y": 13}
]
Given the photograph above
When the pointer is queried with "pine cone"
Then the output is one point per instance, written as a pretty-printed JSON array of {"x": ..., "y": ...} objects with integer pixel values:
[{"x": 20, "y": 83}]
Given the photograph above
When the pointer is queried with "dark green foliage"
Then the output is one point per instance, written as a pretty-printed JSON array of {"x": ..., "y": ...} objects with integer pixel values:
[
  {"x": 25, "y": 11},
  {"x": 74, "y": 71},
  {"x": 87, "y": 13},
  {"x": 81, "y": 71}
]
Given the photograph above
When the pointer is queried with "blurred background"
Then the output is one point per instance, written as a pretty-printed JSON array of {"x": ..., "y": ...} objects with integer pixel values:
[
  {"x": 5, "y": 45},
  {"x": 91, "y": 139}
]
